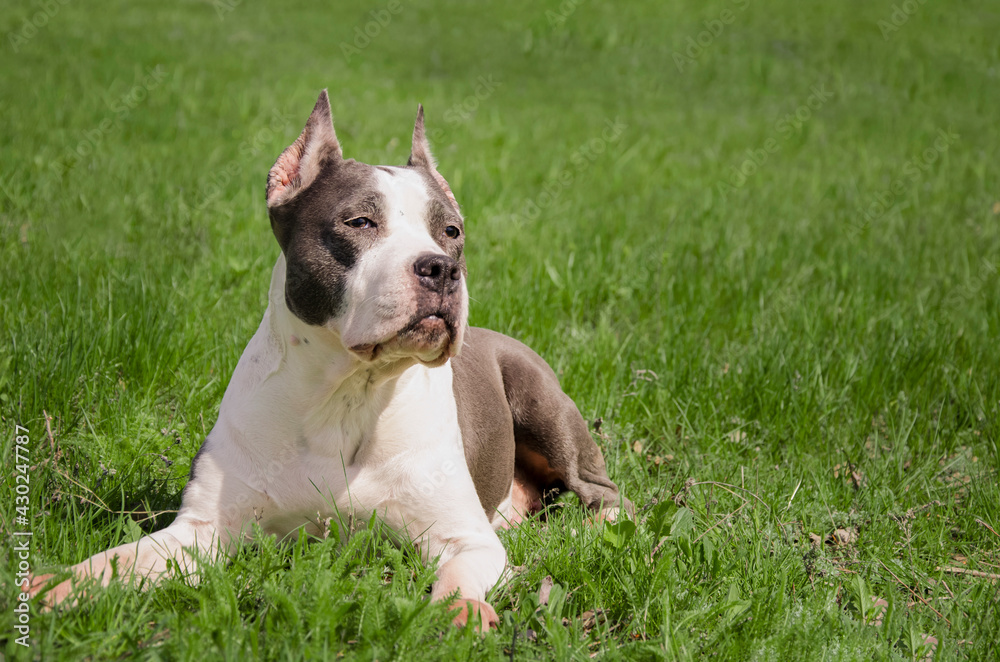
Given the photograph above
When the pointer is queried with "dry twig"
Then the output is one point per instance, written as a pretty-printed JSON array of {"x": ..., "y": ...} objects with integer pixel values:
[
  {"x": 914, "y": 593},
  {"x": 965, "y": 571},
  {"x": 992, "y": 530}
]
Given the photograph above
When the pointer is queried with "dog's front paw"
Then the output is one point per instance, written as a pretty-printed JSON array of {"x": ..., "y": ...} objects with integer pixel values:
[
  {"x": 51, "y": 595},
  {"x": 483, "y": 615},
  {"x": 36, "y": 583}
]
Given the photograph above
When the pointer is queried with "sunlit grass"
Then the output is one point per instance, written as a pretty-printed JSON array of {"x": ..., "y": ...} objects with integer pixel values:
[{"x": 788, "y": 328}]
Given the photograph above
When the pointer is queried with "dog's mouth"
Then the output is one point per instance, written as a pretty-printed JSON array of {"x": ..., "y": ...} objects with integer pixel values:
[{"x": 429, "y": 338}]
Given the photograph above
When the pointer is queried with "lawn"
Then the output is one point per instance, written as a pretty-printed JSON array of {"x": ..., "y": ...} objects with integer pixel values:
[{"x": 758, "y": 242}]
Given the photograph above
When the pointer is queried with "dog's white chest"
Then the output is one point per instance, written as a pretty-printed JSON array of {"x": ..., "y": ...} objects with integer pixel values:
[{"x": 314, "y": 448}]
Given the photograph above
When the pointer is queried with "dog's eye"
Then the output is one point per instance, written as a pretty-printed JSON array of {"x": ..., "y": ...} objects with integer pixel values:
[
  {"x": 360, "y": 223},
  {"x": 452, "y": 232}
]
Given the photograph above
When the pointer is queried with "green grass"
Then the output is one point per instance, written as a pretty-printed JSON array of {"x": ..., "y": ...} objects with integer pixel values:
[{"x": 771, "y": 363}]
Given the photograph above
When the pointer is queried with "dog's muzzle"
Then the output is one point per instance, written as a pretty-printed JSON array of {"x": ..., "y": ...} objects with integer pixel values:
[{"x": 431, "y": 333}]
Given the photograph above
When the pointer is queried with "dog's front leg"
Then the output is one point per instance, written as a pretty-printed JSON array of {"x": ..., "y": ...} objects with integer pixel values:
[
  {"x": 448, "y": 523},
  {"x": 148, "y": 559},
  {"x": 470, "y": 567},
  {"x": 216, "y": 507},
  {"x": 428, "y": 496}
]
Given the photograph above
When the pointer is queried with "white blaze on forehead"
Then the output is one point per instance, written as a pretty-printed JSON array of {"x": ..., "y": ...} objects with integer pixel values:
[{"x": 406, "y": 198}]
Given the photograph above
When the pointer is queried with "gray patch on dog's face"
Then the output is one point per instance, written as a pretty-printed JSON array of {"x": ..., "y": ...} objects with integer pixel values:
[{"x": 320, "y": 249}]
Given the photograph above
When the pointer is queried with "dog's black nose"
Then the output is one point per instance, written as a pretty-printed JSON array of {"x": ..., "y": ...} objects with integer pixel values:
[{"x": 438, "y": 273}]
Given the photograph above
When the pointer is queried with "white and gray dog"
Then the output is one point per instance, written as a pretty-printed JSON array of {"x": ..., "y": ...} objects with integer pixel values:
[{"x": 353, "y": 398}]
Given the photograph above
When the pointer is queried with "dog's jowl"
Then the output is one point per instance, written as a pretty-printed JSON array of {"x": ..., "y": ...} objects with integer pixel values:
[{"x": 365, "y": 392}]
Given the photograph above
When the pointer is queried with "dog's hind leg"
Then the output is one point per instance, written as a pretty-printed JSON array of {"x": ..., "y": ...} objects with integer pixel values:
[{"x": 553, "y": 447}]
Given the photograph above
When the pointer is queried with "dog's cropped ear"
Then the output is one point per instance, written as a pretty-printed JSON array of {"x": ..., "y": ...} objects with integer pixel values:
[
  {"x": 301, "y": 161},
  {"x": 421, "y": 157}
]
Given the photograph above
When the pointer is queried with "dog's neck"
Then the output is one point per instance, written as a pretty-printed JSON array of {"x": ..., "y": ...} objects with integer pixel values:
[
  {"x": 336, "y": 397},
  {"x": 318, "y": 350}
]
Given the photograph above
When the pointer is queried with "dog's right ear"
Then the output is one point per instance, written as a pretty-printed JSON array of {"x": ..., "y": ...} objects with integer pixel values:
[
  {"x": 421, "y": 157},
  {"x": 301, "y": 161}
]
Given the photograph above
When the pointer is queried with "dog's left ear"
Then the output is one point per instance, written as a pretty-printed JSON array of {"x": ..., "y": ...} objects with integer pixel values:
[
  {"x": 421, "y": 157},
  {"x": 301, "y": 161}
]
